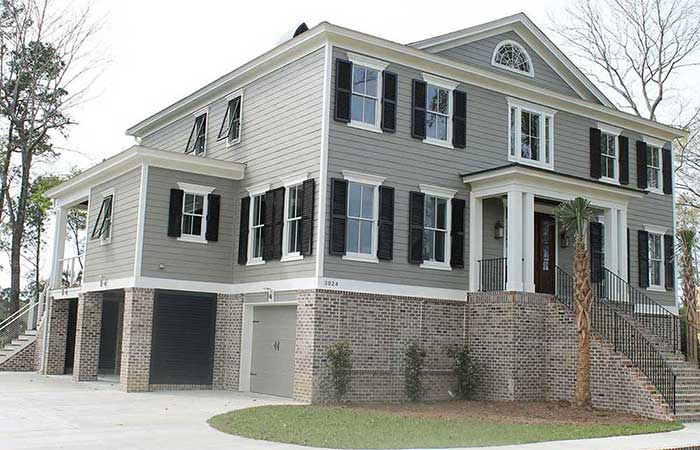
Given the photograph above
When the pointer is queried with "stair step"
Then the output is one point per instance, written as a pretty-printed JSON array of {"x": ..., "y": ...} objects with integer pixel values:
[
  {"x": 687, "y": 397},
  {"x": 687, "y": 417}
]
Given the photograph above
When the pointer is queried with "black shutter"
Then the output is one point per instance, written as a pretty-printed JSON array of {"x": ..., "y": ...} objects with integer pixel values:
[
  {"x": 624, "y": 151},
  {"x": 339, "y": 196},
  {"x": 175, "y": 213},
  {"x": 277, "y": 222},
  {"x": 389, "y": 102},
  {"x": 307, "y": 217},
  {"x": 418, "y": 116},
  {"x": 669, "y": 261},
  {"x": 385, "y": 246},
  {"x": 243, "y": 231},
  {"x": 459, "y": 119},
  {"x": 415, "y": 233},
  {"x": 343, "y": 90},
  {"x": 213, "y": 206},
  {"x": 594, "y": 142},
  {"x": 457, "y": 241},
  {"x": 641, "y": 165},
  {"x": 643, "y": 253},
  {"x": 667, "y": 171},
  {"x": 596, "y": 237},
  {"x": 268, "y": 221}
]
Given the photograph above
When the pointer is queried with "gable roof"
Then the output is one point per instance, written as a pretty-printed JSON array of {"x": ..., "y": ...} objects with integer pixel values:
[{"x": 534, "y": 37}]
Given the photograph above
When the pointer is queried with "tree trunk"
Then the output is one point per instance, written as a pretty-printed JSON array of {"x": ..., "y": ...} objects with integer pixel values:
[
  {"x": 582, "y": 296},
  {"x": 689, "y": 300},
  {"x": 18, "y": 233},
  {"x": 37, "y": 261}
]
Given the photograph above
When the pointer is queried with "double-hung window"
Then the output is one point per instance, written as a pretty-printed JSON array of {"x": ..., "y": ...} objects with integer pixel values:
[
  {"x": 257, "y": 227},
  {"x": 530, "y": 133},
  {"x": 656, "y": 260},
  {"x": 437, "y": 217},
  {"x": 103, "y": 225},
  {"x": 231, "y": 125},
  {"x": 366, "y": 105},
  {"x": 293, "y": 213},
  {"x": 362, "y": 216},
  {"x": 438, "y": 110},
  {"x": 654, "y": 176},
  {"x": 197, "y": 142},
  {"x": 194, "y": 212}
]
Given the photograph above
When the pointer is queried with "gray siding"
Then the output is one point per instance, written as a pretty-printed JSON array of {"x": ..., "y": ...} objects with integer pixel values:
[
  {"x": 182, "y": 260},
  {"x": 407, "y": 162},
  {"x": 479, "y": 53},
  {"x": 281, "y": 136},
  {"x": 115, "y": 259}
]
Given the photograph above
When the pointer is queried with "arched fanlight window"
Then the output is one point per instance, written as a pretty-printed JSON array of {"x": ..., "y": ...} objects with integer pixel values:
[{"x": 512, "y": 56}]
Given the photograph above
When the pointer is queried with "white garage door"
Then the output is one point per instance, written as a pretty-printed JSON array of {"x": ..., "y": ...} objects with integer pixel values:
[{"x": 272, "y": 360}]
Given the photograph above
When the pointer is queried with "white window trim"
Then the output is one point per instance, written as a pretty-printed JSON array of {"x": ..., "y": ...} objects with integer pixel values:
[
  {"x": 544, "y": 112},
  {"x": 254, "y": 191},
  {"x": 450, "y": 85},
  {"x": 616, "y": 132},
  {"x": 289, "y": 182},
  {"x": 659, "y": 144},
  {"x": 448, "y": 195},
  {"x": 196, "y": 114},
  {"x": 379, "y": 66},
  {"x": 661, "y": 287},
  {"x": 530, "y": 73},
  {"x": 376, "y": 181},
  {"x": 103, "y": 195},
  {"x": 229, "y": 97},
  {"x": 203, "y": 191}
]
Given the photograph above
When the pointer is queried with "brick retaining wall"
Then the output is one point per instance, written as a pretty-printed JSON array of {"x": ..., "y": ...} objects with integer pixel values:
[{"x": 22, "y": 361}]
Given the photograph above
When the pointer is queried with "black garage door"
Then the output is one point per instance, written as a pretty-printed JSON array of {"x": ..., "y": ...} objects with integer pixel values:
[{"x": 182, "y": 350}]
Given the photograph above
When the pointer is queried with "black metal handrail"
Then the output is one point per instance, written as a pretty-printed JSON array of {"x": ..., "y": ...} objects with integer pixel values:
[
  {"x": 608, "y": 322},
  {"x": 492, "y": 274},
  {"x": 659, "y": 320}
]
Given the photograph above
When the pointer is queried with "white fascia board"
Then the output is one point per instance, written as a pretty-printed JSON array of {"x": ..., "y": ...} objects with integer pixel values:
[
  {"x": 423, "y": 61},
  {"x": 137, "y": 156}
]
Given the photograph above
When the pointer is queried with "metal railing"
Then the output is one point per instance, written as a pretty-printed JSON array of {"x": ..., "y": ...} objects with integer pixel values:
[
  {"x": 611, "y": 324},
  {"x": 21, "y": 320},
  {"x": 492, "y": 274},
  {"x": 630, "y": 300},
  {"x": 72, "y": 271}
]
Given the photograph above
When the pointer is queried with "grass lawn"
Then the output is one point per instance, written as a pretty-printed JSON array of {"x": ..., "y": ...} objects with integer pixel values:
[{"x": 397, "y": 427}]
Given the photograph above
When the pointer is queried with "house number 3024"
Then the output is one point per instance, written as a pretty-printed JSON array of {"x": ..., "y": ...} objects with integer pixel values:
[{"x": 330, "y": 283}]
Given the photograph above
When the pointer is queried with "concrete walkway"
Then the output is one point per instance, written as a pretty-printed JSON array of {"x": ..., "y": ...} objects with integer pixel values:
[{"x": 38, "y": 412}]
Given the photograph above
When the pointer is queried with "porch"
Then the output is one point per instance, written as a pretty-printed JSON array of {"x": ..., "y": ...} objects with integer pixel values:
[{"x": 516, "y": 204}]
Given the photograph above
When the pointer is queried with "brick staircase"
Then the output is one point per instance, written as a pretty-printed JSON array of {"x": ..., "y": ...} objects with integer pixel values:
[{"x": 13, "y": 348}]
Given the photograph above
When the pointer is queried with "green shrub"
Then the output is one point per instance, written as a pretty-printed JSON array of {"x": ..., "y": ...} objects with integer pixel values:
[
  {"x": 339, "y": 368},
  {"x": 415, "y": 358},
  {"x": 466, "y": 370}
]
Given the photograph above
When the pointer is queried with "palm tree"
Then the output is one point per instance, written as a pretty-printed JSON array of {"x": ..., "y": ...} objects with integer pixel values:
[
  {"x": 574, "y": 216},
  {"x": 687, "y": 242}
]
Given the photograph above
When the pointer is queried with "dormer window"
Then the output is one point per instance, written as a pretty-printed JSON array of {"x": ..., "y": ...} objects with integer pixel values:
[{"x": 512, "y": 56}]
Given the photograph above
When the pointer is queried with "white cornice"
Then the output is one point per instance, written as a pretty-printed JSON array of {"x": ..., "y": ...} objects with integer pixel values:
[
  {"x": 366, "y": 61},
  {"x": 421, "y": 60},
  {"x": 137, "y": 156},
  {"x": 358, "y": 177}
]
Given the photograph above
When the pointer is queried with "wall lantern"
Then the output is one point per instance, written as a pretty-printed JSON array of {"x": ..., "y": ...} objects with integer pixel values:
[
  {"x": 498, "y": 230},
  {"x": 564, "y": 239}
]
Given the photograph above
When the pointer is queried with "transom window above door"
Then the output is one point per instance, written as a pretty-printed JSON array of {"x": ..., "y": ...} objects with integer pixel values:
[{"x": 530, "y": 134}]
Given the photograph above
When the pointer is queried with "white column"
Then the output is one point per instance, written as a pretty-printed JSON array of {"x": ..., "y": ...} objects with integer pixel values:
[
  {"x": 476, "y": 225},
  {"x": 611, "y": 240},
  {"x": 529, "y": 242},
  {"x": 622, "y": 244},
  {"x": 59, "y": 244},
  {"x": 515, "y": 235}
]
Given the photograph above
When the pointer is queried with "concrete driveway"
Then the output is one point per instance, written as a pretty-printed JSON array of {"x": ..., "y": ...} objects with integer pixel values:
[{"x": 38, "y": 412}]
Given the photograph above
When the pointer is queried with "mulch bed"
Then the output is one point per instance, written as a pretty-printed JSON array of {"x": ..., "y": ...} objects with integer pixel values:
[{"x": 506, "y": 412}]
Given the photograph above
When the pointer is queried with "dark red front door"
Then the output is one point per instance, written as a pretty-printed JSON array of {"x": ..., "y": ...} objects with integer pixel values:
[{"x": 544, "y": 253}]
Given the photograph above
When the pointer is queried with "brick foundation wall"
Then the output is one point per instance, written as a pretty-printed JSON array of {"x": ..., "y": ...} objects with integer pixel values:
[
  {"x": 136, "y": 339},
  {"x": 57, "y": 336},
  {"x": 22, "y": 361},
  {"x": 87, "y": 336},
  {"x": 524, "y": 344},
  {"x": 227, "y": 345}
]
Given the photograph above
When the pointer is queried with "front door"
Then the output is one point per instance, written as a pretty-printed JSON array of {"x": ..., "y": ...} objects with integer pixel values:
[{"x": 544, "y": 253}]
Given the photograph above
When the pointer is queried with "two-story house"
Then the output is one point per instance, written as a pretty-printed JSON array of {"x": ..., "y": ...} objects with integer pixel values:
[{"x": 345, "y": 186}]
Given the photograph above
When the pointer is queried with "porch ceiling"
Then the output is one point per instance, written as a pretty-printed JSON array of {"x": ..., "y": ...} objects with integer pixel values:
[{"x": 547, "y": 184}]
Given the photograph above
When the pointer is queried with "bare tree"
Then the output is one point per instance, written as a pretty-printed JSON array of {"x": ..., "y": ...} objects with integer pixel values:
[
  {"x": 46, "y": 67},
  {"x": 633, "y": 48}
]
